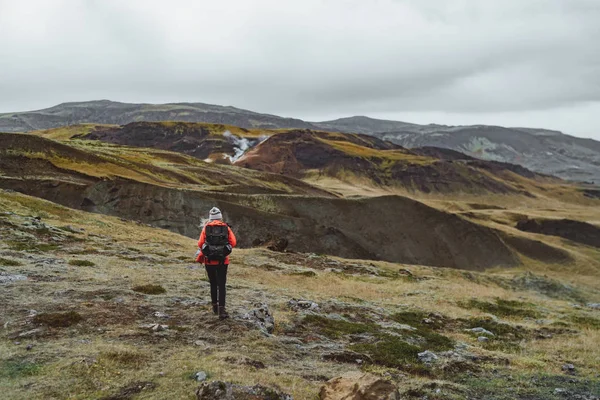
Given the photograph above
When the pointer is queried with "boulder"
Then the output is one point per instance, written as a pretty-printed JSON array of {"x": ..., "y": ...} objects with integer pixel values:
[
  {"x": 427, "y": 357},
  {"x": 262, "y": 318},
  {"x": 359, "y": 386},
  {"x": 296, "y": 305},
  {"x": 218, "y": 390}
]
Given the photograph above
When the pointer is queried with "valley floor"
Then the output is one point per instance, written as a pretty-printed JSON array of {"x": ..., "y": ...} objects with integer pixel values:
[{"x": 96, "y": 307}]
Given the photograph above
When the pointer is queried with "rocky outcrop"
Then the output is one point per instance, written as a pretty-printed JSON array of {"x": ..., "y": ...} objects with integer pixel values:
[
  {"x": 358, "y": 386},
  {"x": 218, "y": 390}
]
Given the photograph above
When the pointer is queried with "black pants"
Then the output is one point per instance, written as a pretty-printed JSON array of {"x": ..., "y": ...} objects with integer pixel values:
[{"x": 217, "y": 275}]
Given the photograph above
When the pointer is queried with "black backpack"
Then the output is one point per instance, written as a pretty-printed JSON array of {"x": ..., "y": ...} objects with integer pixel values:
[{"x": 217, "y": 246}]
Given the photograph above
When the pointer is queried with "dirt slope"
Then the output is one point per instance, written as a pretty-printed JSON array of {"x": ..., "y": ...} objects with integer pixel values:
[
  {"x": 577, "y": 231},
  {"x": 355, "y": 157}
]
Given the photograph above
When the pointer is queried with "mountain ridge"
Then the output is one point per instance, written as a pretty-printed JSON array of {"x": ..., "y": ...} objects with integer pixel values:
[{"x": 541, "y": 150}]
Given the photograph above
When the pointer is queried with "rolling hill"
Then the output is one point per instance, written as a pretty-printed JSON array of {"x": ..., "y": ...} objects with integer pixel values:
[
  {"x": 173, "y": 191},
  {"x": 541, "y": 150}
]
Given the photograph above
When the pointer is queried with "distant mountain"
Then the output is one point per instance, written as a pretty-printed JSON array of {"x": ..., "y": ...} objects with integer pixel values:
[
  {"x": 111, "y": 112},
  {"x": 541, "y": 150}
]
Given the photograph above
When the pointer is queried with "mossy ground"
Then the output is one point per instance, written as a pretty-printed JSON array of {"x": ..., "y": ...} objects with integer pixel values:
[{"x": 110, "y": 348}]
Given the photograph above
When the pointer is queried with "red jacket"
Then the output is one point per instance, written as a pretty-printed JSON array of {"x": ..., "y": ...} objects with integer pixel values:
[{"x": 232, "y": 242}]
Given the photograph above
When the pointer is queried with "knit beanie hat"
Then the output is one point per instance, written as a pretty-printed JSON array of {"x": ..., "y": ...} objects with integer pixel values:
[{"x": 215, "y": 214}]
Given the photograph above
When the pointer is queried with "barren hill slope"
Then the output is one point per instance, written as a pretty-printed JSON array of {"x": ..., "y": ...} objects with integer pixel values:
[
  {"x": 356, "y": 158},
  {"x": 173, "y": 191}
]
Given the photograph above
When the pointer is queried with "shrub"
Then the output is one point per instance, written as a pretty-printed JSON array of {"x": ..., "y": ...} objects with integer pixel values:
[
  {"x": 149, "y": 289},
  {"x": 81, "y": 263}
]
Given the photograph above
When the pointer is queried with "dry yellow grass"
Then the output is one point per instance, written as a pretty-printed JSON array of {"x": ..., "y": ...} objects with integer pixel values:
[{"x": 110, "y": 351}]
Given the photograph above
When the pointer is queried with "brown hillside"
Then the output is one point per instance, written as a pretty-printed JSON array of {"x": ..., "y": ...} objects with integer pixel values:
[
  {"x": 199, "y": 140},
  {"x": 349, "y": 157}
]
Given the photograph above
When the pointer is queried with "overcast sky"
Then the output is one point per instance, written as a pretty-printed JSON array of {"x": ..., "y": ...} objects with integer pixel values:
[{"x": 511, "y": 62}]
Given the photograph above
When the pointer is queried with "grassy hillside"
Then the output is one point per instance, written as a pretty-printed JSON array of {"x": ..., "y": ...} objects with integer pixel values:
[
  {"x": 25, "y": 155},
  {"x": 94, "y": 307}
]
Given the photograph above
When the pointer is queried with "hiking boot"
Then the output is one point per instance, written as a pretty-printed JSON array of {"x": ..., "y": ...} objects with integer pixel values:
[
  {"x": 215, "y": 308},
  {"x": 222, "y": 313}
]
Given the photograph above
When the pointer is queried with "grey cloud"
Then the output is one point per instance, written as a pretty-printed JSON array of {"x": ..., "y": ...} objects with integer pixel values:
[{"x": 310, "y": 58}]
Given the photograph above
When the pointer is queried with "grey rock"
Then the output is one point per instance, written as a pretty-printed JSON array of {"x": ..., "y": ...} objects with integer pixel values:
[
  {"x": 483, "y": 339},
  {"x": 396, "y": 325},
  {"x": 200, "y": 376},
  {"x": 7, "y": 278},
  {"x": 560, "y": 391},
  {"x": 261, "y": 317},
  {"x": 30, "y": 333},
  {"x": 427, "y": 357},
  {"x": 296, "y": 305},
  {"x": 595, "y": 306},
  {"x": 481, "y": 331},
  {"x": 569, "y": 369},
  {"x": 159, "y": 314}
]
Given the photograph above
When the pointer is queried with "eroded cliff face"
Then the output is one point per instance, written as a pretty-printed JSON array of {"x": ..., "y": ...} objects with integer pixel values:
[{"x": 391, "y": 228}]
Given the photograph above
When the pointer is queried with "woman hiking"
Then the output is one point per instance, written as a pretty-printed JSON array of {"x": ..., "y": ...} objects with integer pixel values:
[{"x": 215, "y": 244}]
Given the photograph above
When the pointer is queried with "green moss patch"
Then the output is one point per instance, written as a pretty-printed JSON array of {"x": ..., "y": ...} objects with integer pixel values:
[
  {"x": 81, "y": 263},
  {"x": 392, "y": 351},
  {"x": 18, "y": 368},
  {"x": 334, "y": 328},
  {"x": 499, "y": 329},
  {"x": 308, "y": 274},
  {"x": 425, "y": 331},
  {"x": 504, "y": 308},
  {"x": 5, "y": 262},
  {"x": 58, "y": 320},
  {"x": 31, "y": 246},
  {"x": 149, "y": 289},
  {"x": 586, "y": 321}
]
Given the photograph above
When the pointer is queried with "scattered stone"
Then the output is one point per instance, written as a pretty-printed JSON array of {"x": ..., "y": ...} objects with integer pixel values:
[
  {"x": 159, "y": 314},
  {"x": 219, "y": 390},
  {"x": 569, "y": 369},
  {"x": 201, "y": 343},
  {"x": 560, "y": 391},
  {"x": 6, "y": 278},
  {"x": 359, "y": 386},
  {"x": 481, "y": 331},
  {"x": 155, "y": 327},
  {"x": 262, "y": 318},
  {"x": 483, "y": 339},
  {"x": 296, "y": 305},
  {"x": 200, "y": 376},
  {"x": 395, "y": 325},
  {"x": 30, "y": 333},
  {"x": 29, "y": 347},
  {"x": 595, "y": 306},
  {"x": 427, "y": 357}
]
